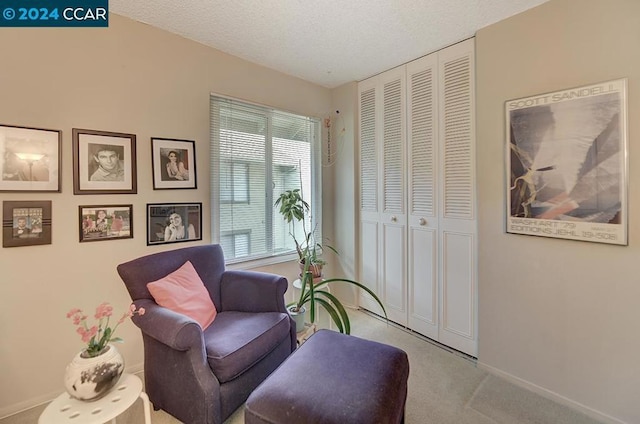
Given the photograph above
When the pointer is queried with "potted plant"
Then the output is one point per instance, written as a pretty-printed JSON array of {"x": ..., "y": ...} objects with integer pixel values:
[
  {"x": 313, "y": 288},
  {"x": 294, "y": 208}
]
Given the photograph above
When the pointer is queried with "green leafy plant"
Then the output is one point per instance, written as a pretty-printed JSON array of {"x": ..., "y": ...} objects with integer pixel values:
[
  {"x": 316, "y": 294},
  {"x": 294, "y": 208}
]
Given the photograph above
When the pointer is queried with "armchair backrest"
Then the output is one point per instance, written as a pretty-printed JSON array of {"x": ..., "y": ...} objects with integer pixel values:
[{"x": 207, "y": 260}]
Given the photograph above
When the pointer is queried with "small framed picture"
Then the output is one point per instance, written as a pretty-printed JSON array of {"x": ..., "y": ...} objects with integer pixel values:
[
  {"x": 104, "y": 162},
  {"x": 30, "y": 159},
  {"x": 105, "y": 222},
  {"x": 173, "y": 222},
  {"x": 174, "y": 163},
  {"x": 26, "y": 223}
]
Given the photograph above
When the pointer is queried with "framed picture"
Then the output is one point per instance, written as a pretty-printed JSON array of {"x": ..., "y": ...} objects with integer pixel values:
[
  {"x": 174, "y": 163},
  {"x": 567, "y": 164},
  {"x": 31, "y": 159},
  {"x": 173, "y": 222},
  {"x": 26, "y": 223},
  {"x": 104, "y": 162},
  {"x": 105, "y": 222}
]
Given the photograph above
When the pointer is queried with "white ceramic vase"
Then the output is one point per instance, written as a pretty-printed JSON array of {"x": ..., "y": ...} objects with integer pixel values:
[{"x": 91, "y": 378}]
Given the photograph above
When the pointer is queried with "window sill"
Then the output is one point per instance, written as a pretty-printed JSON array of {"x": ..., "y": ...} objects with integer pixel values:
[{"x": 261, "y": 262}]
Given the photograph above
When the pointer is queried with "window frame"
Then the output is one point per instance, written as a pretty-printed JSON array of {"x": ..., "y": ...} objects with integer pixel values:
[{"x": 315, "y": 184}]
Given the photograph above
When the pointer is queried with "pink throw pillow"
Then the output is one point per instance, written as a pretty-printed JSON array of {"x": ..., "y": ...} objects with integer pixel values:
[{"x": 184, "y": 292}]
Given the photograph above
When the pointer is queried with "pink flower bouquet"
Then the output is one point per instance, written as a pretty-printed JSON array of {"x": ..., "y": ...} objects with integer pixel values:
[{"x": 100, "y": 334}]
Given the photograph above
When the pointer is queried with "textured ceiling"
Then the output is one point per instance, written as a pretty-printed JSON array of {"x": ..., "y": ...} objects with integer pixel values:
[{"x": 327, "y": 42}]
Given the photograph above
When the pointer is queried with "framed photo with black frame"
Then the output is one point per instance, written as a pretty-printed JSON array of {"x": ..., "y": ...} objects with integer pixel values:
[
  {"x": 567, "y": 164},
  {"x": 26, "y": 223},
  {"x": 174, "y": 163},
  {"x": 173, "y": 222},
  {"x": 30, "y": 159},
  {"x": 105, "y": 222},
  {"x": 104, "y": 162}
]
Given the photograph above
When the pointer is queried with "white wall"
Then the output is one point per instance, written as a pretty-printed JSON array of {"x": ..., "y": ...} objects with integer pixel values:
[
  {"x": 128, "y": 78},
  {"x": 340, "y": 223},
  {"x": 558, "y": 316}
]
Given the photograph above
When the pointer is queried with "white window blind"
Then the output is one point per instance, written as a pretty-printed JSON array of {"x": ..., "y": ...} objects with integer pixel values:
[{"x": 257, "y": 153}]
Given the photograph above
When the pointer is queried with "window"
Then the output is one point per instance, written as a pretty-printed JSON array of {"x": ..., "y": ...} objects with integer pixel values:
[
  {"x": 257, "y": 153},
  {"x": 237, "y": 242},
  {"x": 234, "y": 182}
]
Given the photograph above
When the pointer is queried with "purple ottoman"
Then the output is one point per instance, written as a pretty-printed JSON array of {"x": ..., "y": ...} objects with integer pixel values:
[{"x": 334, "y": 378}]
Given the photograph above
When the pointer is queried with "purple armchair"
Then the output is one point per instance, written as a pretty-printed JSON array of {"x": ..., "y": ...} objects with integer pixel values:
[{"x": 202, "y": 377}]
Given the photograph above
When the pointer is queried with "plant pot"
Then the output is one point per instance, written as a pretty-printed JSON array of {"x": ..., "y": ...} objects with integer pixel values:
[
  {"x": 314, "y": 269},
  {"x": 92, "y": 378},
  {"x": 298, "y": 317}
]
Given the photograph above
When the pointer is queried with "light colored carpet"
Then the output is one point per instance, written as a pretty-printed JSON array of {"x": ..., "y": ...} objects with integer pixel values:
[
  {"x": 444, "y": 388},
  {"x": 507, "y": 403}
]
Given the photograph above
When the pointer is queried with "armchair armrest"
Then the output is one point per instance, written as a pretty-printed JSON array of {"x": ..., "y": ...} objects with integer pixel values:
[
  {"x": 177, "y": 375},
  {"x": 175, "y": 330},
  {"x": 250, "y": 291}
]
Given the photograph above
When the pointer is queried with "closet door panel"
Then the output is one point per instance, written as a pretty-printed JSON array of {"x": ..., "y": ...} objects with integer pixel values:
[
  {"x": 423, "y": 277},
  {"x": 393, "y": 215},
  {"x": 422, "y": 138},
  {"x": 395, "y": 293},
  {"x": 368, "y": 270},
  {"x": 368, "y": 149},
  {"x": 457, "y": 206},
  {"x": 457, "y": 326}
]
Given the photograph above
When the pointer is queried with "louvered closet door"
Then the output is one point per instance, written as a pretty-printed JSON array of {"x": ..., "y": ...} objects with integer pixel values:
[
  {"x": 393, "y": 209},
  {"x": 369, "y": 270},
  {"x": 422, "y": 136},
  {"x": 458, "y": 228}
]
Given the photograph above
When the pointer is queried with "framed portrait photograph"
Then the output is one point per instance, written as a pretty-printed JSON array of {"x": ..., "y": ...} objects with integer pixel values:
[
  {"x": 104, "y": 162},
  {"x": 105, "y": 222},
  {"x": 26, "y": 223},
  {"x": 173, "y": 222},
  {"x": 30, "y": 159},
  {"x": 567, "y": 166},
  {"x": 174, "y": 163}
]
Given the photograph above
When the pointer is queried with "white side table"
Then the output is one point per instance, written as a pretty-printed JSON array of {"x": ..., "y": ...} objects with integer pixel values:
[
  {"x": 297, "y": 283},
  {"x": 65, "y": 409}
]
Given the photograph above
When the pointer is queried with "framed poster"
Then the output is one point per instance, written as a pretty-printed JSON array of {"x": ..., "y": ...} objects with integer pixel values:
[
  {"x": 173, "y": 222},
  {"x": 105, "y": 222},
  {"x": 174, "y": 163},
  {"x": 30, "y": 159},
  {"x": 567, "y": 164},
  {"x": 103, "y": 162},
  {"x": 26, "y": 223}
]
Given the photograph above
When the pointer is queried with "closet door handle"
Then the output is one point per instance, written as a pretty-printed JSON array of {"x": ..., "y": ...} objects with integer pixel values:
[
  {"x": 394, "y": 218},
  {"x": 422, "y": 221}
]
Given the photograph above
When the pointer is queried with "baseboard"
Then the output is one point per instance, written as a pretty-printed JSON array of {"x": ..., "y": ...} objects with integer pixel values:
[
  {"x": 16, "y": 408},
  {"x": 590, "y": 412},
  {"x": 19, "y": 407}
]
